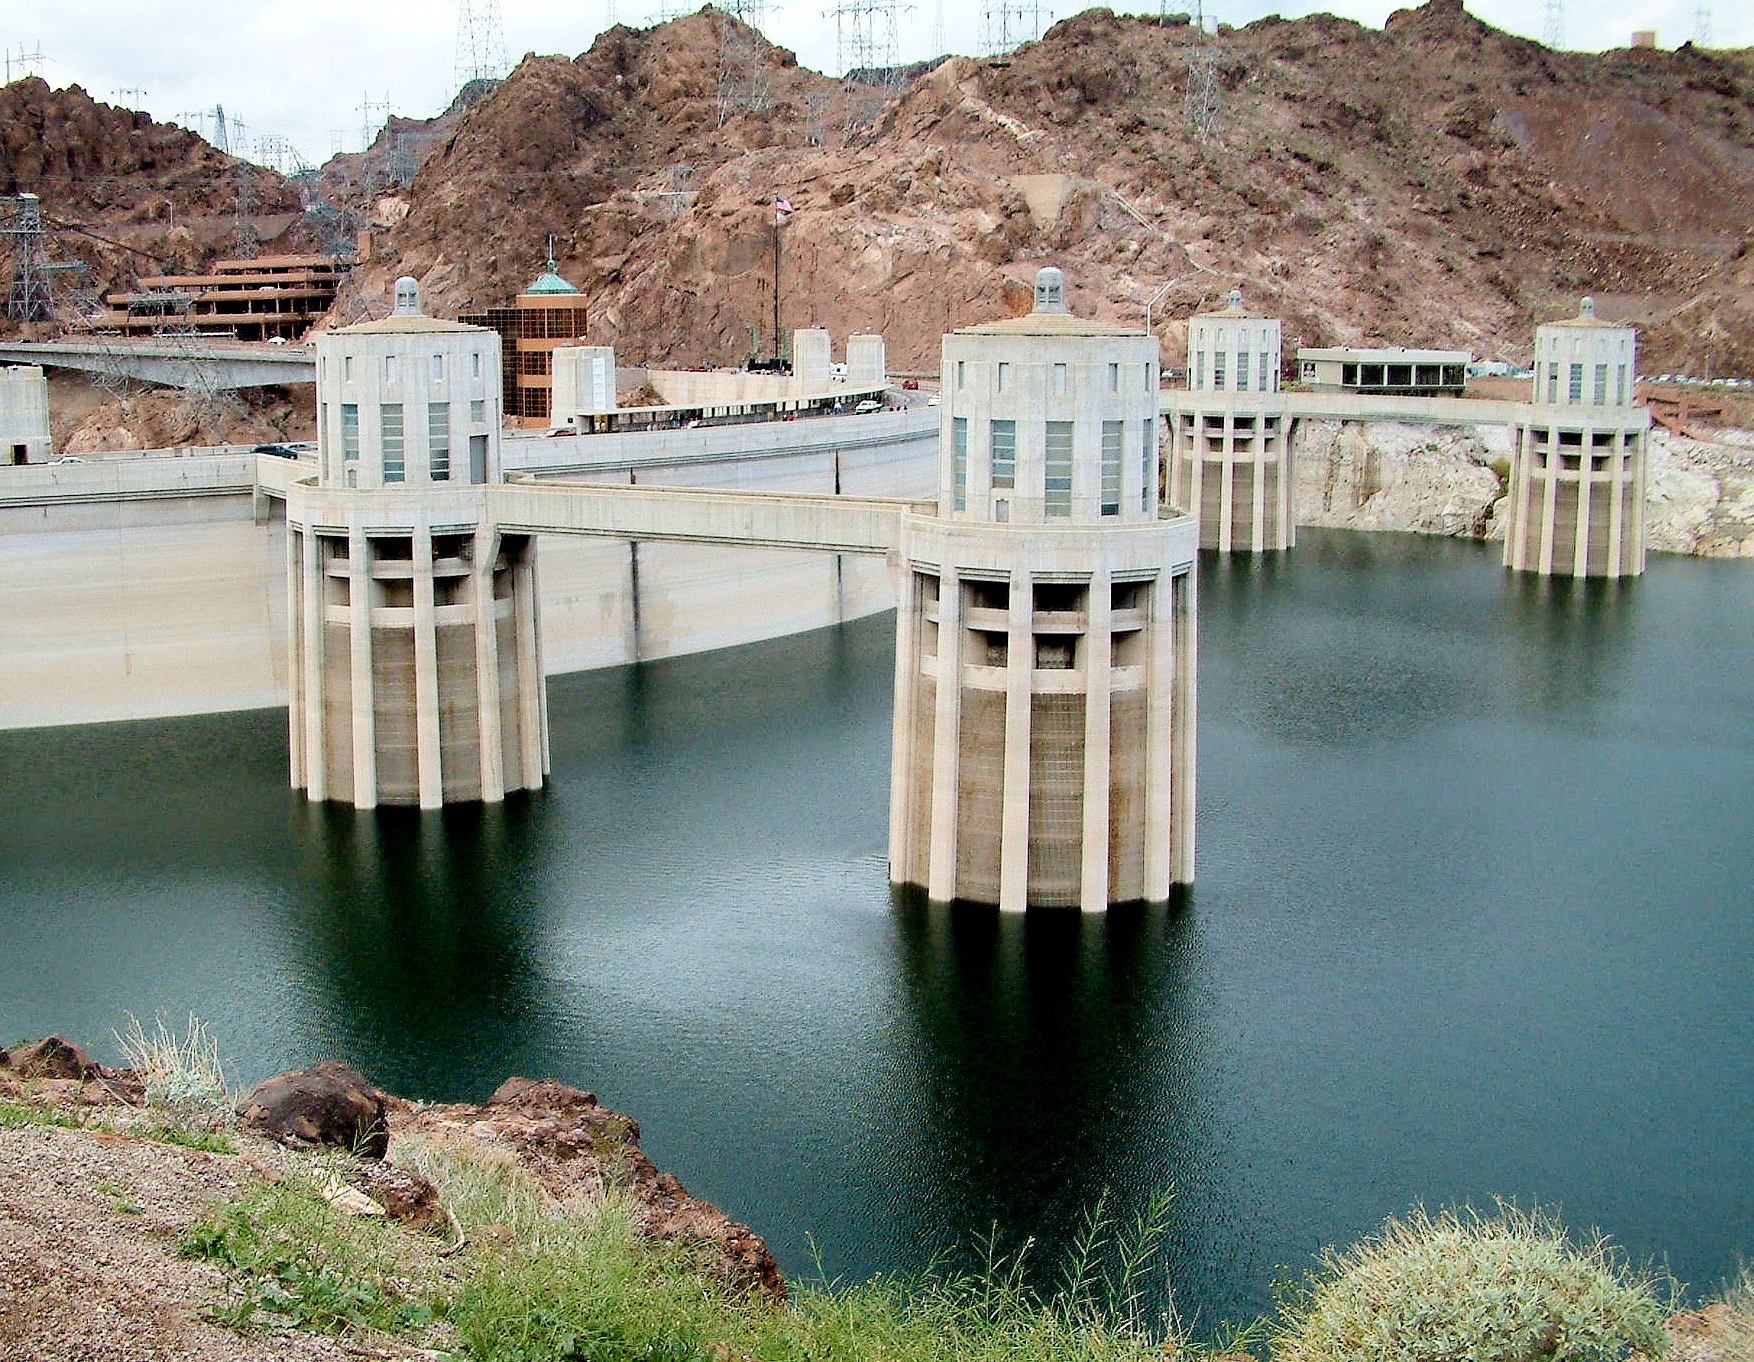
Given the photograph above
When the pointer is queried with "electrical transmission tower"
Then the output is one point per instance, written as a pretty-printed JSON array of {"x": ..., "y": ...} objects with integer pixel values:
[
  {"x": 130, "y": 96},
  {"x": 1008, "y": 24},
  {"x": 481, "y": 53},
  {"x": 866, "y": 36},
  {"x": 21, "y": 63},
  {"x": 1702, "y": 26},
  {"x": 938, "y": 45},
  {"x": 1203, "y": 98},
  {"x": 31, "y": 301},
  {"x": 368, "y": 126},
  {"x": 743, "y": 74},
  {"x": 1553, "y": 24}
]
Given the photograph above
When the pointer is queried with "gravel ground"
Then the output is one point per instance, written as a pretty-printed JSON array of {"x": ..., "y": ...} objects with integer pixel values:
[{"x": 88, "y": 1262}]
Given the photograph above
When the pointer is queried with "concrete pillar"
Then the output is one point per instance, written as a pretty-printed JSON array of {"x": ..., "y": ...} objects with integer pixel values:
[
  {"x": 907, "y": 664},
  {"x": 1160, "y": 792},
  {"x": 1184, "y": 725},
  {"x": 313, "y": 598},
  {"x": 359, "y": 614},
  {"x": 487, "y": 697},
  {"x": 428, "y": 753},
  {"x": 532, "y": 722},
  {"x": 295, "y": 678},
  {"x": 946, "y": 733},
  {"x": 1098, "y": 679},
  {"x": 1019, "y": 674}
]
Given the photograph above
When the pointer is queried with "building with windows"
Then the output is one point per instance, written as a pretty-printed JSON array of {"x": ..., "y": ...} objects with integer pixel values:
[
  {"x": 547, "y": 315},
  {"x": 414, "y": 662},
  {"x": 269, "y": 297},
  {"x": 1578, "y": 457},
  {"x": 1230, "y": 436},
  {"x": 1044, "y": 704},
  {"x": 1391, "y": 373}
]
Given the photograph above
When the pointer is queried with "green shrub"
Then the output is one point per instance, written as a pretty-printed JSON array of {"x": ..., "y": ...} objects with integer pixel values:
[{"x": 1506, "y": 1288}]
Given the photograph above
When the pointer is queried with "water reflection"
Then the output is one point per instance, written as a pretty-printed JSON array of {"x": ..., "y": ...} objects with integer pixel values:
[
  {"x": 1059, "y": 1056},
  {"x": 1568, "y": 636},
  {"x": 422, "y": 930}
]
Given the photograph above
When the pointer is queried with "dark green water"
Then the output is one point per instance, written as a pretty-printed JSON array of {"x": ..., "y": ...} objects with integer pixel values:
[{"x": 1474, "y": 918}]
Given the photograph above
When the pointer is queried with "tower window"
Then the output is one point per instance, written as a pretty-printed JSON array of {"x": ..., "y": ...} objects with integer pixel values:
[
  {"x": 1601, "y": 385},
  {"x": 438, "y": 440},
  {"x": 1057, "y": 487},
  {"x": 390, "y": 429},
  {"x": 1574, "y": 389},
  {"x": 1060, "y": 379},
  {"x": 1004, "y": 451},
  {"x": 1111, "y": 467},
  {"x": 438, "y": 368},
  {"x": 349, "y": 430},
  {"x": 959, "y": 462},
  {"x": 1218, "y": 371},
  {"x": 1114, "y": 378},
  {"x": 1148, "y": 480},
  {"x": 1004, "y": 376}
]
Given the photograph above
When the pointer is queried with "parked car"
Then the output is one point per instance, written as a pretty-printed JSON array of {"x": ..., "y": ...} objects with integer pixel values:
[
  {"x": 279, "y": 451},
  {"x": 277, "y": 340},
  {"x": 869, "y": 405}
]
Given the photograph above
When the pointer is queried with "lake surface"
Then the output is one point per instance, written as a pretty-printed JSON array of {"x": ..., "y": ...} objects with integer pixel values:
[{"x": 1473, "y": 918}]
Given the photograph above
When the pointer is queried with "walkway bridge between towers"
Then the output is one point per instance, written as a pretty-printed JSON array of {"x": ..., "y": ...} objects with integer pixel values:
[
  {"x": 689, "y": 515},
  {"x": 188, "y": 364},
  {"x": 1344, "y": 406}
]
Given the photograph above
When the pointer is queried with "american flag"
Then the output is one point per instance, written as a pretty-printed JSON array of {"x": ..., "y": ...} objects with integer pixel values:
[{"x": 783, "y": 206}]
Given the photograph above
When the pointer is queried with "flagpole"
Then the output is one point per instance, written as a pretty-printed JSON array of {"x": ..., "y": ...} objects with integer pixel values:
[{"x": 777, "y": 218}]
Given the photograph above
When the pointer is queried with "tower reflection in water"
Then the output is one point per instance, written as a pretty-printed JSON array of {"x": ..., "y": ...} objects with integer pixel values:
[{"x": 1060, "y": 1058}]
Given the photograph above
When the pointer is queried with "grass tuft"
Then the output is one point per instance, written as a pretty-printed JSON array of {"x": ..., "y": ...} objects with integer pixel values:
[
  {"x": 183, "y": 1074},
  {"x": 1510, "y": 1287}
]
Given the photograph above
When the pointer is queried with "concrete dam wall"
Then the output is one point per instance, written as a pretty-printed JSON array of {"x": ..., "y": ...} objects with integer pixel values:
[{"x": 148, "y": 587}]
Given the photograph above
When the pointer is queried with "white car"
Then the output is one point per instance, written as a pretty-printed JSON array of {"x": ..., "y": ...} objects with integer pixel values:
[
  {"x": 277, "y": 340},
  {"x": 869, "y": 405}
]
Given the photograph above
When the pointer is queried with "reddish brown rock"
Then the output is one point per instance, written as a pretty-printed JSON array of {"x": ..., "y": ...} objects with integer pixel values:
[
  {"x": 575, "y": 1148},
  {"x": 328, "y": 1104},
  {"x": 405, "y": 1195},
  {"x": 51, "y": 1057}
]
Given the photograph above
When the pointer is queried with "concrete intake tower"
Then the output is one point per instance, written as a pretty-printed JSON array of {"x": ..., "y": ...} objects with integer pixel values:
[
  {"x": 1045, "y": 640},
  {"x": 415, "y": 664}
]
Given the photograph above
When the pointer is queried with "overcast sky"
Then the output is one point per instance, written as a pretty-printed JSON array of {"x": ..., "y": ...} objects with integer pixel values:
[{"x": 301, "y": 69}]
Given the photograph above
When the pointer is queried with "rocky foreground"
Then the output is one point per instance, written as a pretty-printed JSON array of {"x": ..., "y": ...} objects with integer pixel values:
[{"x": 95, "y": 1193}]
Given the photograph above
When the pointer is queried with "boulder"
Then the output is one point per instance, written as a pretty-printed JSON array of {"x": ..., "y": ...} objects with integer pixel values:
[
  {"x": 51, "y": 1057},
  {"x": 328, "y": 1104},
  {"x": 405, "y": 1195}
]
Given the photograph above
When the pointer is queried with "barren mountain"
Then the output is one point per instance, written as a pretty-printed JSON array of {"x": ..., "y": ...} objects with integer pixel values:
[
  {"x": 1438, "y": 182},
  {"x": 1435, "y": 182}
]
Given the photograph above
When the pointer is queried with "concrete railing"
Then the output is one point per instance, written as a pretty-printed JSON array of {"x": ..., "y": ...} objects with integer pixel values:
[
  {"x": 132, "y": 479},
  {"x": 710, "y": 444},
  {"x": 1345, "y": 406},
  {"x": 692, "y": 515}
]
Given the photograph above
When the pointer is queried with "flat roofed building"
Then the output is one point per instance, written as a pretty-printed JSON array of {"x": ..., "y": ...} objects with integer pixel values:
[
  {"x": 1044, "y": 704},
  {"x": 1579, "y": 455},
  {"x": 1394, "y": 371},
  {"x": 275, "y": 296}
]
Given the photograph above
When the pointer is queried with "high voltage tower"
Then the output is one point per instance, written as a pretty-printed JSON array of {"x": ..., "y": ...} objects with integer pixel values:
[
  {"x": 21, "y": 63},
  {"x": 866, "y": 36},
  {"x": 368, "y": 125},
  {"x": 31, "y": 300},
  {"x": 1553, "y": 24},
  {"x": 1007, "y": 24},
  {"x": 938, "y": 46},
  {"x": 1702, "y": 26},
  {"x": 1203, "y": 97},
  {"x": 743, "y": 78},
  {"x": 481, "y": 53}
]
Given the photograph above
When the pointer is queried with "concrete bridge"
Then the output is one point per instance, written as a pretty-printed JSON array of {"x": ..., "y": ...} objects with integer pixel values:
[{"x": 171, "y": 364}]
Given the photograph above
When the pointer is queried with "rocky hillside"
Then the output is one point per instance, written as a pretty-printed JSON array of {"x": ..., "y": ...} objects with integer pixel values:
[
  {"x": 1437, "y": 182},
  {"x": 125, "y": 194}
]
